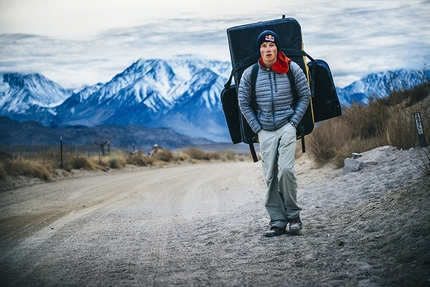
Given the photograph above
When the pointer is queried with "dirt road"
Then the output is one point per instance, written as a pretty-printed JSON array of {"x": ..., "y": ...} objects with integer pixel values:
[
  {"x": 203, "y": 224},
  {"x": 58, "y": 232}
]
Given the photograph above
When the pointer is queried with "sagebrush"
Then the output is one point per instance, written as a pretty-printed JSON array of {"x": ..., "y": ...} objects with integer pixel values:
[{"x": 384, "y": 121}]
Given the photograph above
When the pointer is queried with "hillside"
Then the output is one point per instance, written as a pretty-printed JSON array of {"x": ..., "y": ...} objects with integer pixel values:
[{"x": 125, "y": 137}]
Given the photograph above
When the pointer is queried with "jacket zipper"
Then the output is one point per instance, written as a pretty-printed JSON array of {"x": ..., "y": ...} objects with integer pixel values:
[{"x": 273, "y": 96}]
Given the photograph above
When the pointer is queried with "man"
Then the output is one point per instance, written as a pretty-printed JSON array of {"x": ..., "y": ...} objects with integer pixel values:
[{"x": 275, "y": 119}]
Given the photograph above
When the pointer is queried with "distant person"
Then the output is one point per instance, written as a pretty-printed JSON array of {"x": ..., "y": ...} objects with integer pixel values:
[{"x": 275, "y": 121}]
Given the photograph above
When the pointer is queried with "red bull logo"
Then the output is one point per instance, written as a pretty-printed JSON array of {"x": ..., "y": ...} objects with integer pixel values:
[{"x": 270, "y": 38}]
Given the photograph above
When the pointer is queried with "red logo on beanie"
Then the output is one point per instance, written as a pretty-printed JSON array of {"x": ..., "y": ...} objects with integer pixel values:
[{"x": 270, "y": 38}]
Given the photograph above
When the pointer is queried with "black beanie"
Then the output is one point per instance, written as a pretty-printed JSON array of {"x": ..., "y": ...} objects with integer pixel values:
[{"x": 268, "y": 36}]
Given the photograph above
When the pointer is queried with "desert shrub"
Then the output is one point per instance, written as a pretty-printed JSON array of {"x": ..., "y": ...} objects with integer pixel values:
[
  {"x": 83, "y": 162},
  {"x": 243, "y": 158},
  {"x": 230, "y": 154},
  {"x": 324, "y": 143},
  {"x": 359, "y": 129},
  {"x": 117, "y": 161},
  {"x": 139, "y": 159},
  {"x": 78, "y": 162},
  {"x": 181, "y": 156},
  {"x": 39, "y": 170},
  {"x": 214, "y": 155},
  {"x": 366, "y": 122},
  {"x": 149, "y": 161},
  {"x": 419, "y": 93},
  {"x": 164, "y": 155},
  {"x": 386, "y": 121},
  {"x": 103, "y": 161},
  {"x": 401, "y": 131},
  {"x": 424, "y": 108},
  {"x": 197, "y": 154},
  {"x": 194, "y": 153},
  {"x": 407, "y": 97},
  {"x": 400, "y": 128},
  {"x": 25, "y": 167}
]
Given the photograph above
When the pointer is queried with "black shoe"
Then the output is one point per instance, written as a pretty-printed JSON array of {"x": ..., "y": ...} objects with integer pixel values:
[
  {"x": 295, "y": 225},
  {"x": 274, "y": 231}
]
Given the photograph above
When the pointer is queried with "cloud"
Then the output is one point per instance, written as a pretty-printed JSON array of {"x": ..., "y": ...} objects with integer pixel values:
[
  {"x": 75, "y": 63},
  {"x": 370, "y": 36},
  {"x": 356, "y": 38}
]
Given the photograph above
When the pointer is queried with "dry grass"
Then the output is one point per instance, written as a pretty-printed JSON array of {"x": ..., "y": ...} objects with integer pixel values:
[
  {"x": 196, "y": 154},
  {"x": 43, "y": 164},
  {"x": 387, "y": 121},
  {"x": 139, "y": 159},
  {"x": 117, "y": 161},
  {"x": 79, "y": 162},
  {"x": 165, "y": 156},
  {"x": 25, "y": 167},
  {"x": 399, "y": 127}
]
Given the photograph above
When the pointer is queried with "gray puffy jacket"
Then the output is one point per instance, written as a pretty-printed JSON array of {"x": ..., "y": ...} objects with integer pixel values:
[{"x": 274, "y": 98}]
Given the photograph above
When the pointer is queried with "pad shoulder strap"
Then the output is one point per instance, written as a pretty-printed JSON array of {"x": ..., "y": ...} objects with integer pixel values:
[
  {"x": 254, "y": 74},
  {"x": 292, "y": 84}
]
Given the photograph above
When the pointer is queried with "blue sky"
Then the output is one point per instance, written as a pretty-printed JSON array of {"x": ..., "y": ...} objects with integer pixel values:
[{"x": 83, "y": 42}]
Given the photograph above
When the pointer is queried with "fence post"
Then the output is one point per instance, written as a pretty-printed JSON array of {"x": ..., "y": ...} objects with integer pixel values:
[{"x": 420, "y": 129}]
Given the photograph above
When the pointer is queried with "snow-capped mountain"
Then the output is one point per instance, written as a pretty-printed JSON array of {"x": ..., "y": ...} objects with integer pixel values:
[
  {"x": 199, "y": 108},
  {"x": 21, "y": 92},
  {"x": 30, "y": 97},
  {"x": 381, "y": 85},
  {"x": 155, "y": 93},
  {"x": 181, "y": 94}
]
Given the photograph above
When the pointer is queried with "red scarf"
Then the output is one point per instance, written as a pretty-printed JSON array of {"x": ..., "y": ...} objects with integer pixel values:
[{"x": 282, "y": 64}]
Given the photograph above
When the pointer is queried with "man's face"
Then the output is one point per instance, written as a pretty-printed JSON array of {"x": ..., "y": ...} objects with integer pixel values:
[{"x": 268, "y": 51}]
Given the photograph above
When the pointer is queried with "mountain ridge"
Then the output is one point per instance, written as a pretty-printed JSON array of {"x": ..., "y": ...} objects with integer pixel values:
[
  {"x": 179, "y": 94},
  {"x": 381, "y": 85}
]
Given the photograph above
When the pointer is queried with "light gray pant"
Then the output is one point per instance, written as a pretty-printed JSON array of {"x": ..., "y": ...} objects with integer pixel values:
[{"x": 277, "y": 152}]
